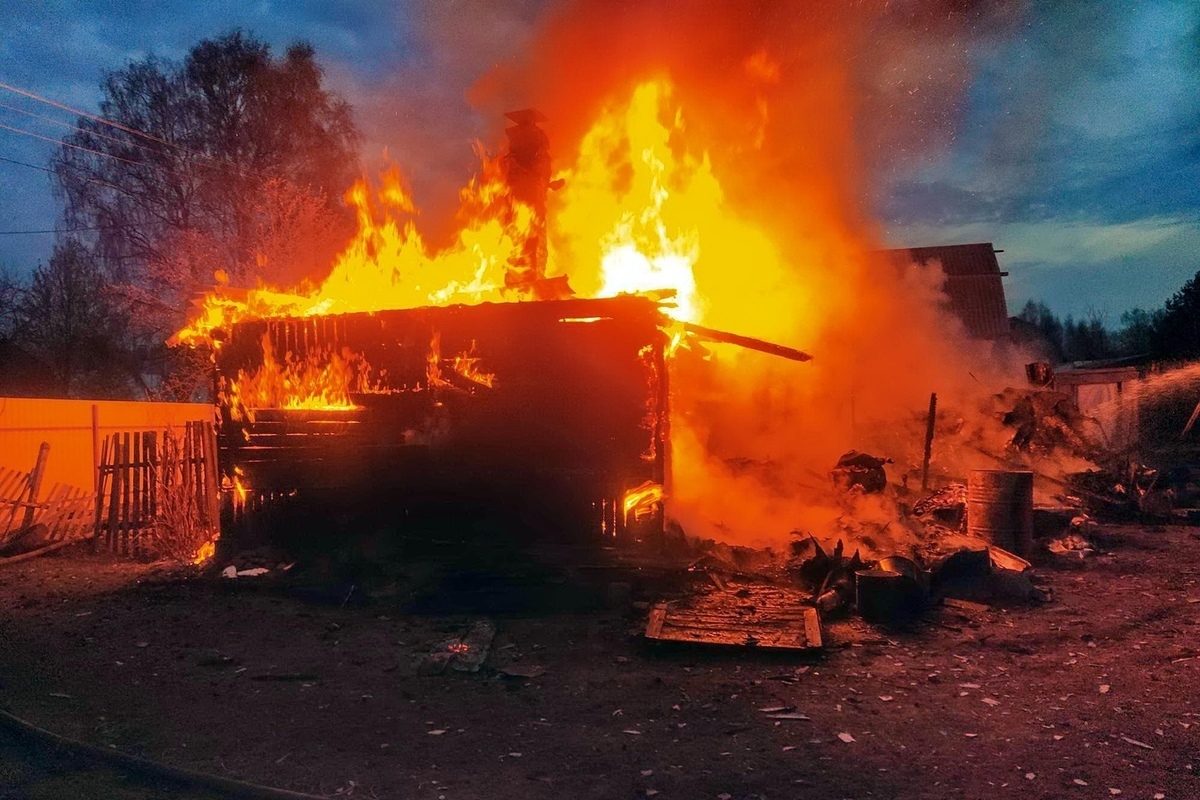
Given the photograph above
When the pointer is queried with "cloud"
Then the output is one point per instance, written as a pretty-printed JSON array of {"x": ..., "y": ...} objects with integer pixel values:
[{"x": 1091, "y": 112}]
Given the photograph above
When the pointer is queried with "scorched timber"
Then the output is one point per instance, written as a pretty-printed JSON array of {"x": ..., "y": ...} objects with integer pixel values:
[{"x": 711, "y": 335}]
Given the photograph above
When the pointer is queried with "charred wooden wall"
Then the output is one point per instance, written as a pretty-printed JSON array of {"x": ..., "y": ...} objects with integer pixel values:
[{"x": 576, "y": 416}]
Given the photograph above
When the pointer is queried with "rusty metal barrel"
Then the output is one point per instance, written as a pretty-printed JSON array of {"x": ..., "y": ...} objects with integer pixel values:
[{"x": 1000, "y": 508}]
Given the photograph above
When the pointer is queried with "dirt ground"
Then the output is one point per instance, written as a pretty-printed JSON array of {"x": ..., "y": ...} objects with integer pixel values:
[{"x": 326, "y": 690}]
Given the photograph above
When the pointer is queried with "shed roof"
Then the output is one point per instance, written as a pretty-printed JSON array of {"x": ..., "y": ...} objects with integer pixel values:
[{"x": 973, "y": 284}]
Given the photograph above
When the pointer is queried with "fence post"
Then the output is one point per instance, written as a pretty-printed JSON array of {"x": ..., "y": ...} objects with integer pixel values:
[
  {"x": 96, "y": 446},
  {"x": 35, "y": 483}
]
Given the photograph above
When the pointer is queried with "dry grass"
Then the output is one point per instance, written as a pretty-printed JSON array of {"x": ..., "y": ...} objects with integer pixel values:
[{"x": 180, "y": 529}]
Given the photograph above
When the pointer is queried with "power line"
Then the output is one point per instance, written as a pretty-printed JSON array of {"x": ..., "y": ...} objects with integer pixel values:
[
  {"x": 241, "y": 171},
  {"x": 62, "y": 124},
  {"x": 60, "y": 230},
  {"x": 86, "y": 179},
  {"x": 23, "y": 164},
  {"x": 101, "y": 120},
  {"x": 75, "y": 146}
]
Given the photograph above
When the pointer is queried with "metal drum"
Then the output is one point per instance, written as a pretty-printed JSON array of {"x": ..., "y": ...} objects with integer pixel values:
[{"x": 1000, "y": 508}]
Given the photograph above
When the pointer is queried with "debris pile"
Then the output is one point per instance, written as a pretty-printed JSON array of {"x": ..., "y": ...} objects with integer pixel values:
[
  {"x": 860, "y": 472},
  {"x": 946, "y": 508},
  {"x": 1048, "y": 422}
]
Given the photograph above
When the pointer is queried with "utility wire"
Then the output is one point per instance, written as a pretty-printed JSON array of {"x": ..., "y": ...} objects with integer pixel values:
[
  {"x": 96, "y": 181},
  {"x": 24, "y": 164},
  {"x": 61, "y": 230},
  {"x": 101, "y": 120},
  {"x": 76, "y": 128},
  {"x": 239, "y": 170},
  {"x": 75, "y": 146}
]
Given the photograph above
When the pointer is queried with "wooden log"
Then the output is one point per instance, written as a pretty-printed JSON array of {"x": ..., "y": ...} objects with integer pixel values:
[
  {"x": 50, "y": 548},
  {"x": 929, "y": 426},
  {"x": 750, "y": 343}
]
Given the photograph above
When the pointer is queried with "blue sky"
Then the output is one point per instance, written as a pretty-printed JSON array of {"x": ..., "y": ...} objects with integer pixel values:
[{"x": 1076, "y": 149}]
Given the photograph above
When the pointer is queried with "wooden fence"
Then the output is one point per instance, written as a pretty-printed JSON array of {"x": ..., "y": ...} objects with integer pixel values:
[
  {"x": 31, "y": 522},
  {"x": 75, "y": 429},
  {"x": 158, "y": 491}
]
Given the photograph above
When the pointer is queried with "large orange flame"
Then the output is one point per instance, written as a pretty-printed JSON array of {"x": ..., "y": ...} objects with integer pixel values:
[{"x": 776, "y": 253}]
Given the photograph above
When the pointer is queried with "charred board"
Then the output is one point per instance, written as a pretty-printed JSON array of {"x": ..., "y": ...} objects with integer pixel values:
[{"x": 740, "y": 616}]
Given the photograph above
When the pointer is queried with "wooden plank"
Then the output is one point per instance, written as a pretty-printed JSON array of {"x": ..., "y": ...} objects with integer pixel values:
[
  {"x": 135, "y": 511},
  {"x": 212, "y": 470},
  {"x": 150, "y": 487},
  {"x": 16, "y": 500},
  {"x": 57, "y": 501},
  {"x": 156, "y": 479},
  {"x": 35, "y": 481},
  {"x": 70, "y": 513},
  {"x": 144, "y": 520},
  {"x": 101, "y": 483},
  {"x": 12, "y": 483},
  {"x": 763, "y": 617},
  {"x": 114, "y": 507},
  {"x": 194, "y": 449},
  {"x": 709, "y": 334},
  {"x": 126, "y": 496}
]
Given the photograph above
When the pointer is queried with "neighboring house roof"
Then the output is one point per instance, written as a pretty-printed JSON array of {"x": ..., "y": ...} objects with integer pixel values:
[{"x": 973, "y": 284}]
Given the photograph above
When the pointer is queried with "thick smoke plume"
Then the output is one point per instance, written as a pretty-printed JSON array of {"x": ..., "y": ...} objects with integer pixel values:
[{"x": 794, "y": 108}]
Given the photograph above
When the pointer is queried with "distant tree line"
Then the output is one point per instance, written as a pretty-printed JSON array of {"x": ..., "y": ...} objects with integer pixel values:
[
  {"x": 1170, "y": 333},
  {"x": 231, "y": 162}
]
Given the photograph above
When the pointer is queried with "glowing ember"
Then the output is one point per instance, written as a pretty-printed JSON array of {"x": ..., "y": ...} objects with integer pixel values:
[
  {"x": 206, "y": 551},
  {"x": 641, "y": 499},
  {"x": 467, "y": 364},
  {"x": 240, "y": 488}
]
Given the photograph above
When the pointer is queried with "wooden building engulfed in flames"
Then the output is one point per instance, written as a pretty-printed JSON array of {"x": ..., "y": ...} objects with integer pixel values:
[{"x": 552, "y": 410}]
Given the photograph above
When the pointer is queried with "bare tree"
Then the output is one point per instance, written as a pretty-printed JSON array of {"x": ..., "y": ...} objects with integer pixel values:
[
  {"x": 11, "y": 291},
  {"x": 65, "y": 319},
  {"x": 174, "y": 177}
]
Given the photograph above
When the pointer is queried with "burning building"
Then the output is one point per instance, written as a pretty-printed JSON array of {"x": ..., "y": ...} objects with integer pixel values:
[
  {"x": 555, "y": 410},
  {"x": 584, "y": 306},
  {"x": 553, "y": 407}
]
